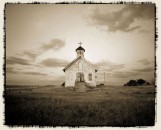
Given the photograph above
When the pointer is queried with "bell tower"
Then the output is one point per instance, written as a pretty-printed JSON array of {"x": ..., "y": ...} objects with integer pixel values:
[{"x": 80, "y": 50}]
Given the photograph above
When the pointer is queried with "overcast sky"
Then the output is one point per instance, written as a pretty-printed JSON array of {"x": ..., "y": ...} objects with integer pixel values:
[{"x": 41, "y": 40}]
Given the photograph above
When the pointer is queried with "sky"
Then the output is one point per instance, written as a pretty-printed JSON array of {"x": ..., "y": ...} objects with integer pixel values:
[{"x": 41, "y": 40}]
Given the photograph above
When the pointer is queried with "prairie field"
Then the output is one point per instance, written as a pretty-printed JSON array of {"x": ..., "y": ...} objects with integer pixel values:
[{"x": 101, "y": 106}]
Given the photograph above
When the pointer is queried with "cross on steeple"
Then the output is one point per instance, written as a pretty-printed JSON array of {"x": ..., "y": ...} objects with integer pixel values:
[{"x": 80, "y": 43}]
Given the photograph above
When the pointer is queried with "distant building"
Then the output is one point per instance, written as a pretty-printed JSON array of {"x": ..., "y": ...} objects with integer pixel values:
[{"x": 80, "y": 70}]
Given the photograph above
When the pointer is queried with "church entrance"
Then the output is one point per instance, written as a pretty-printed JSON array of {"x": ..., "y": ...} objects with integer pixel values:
[{"x": 80, "y": 77}]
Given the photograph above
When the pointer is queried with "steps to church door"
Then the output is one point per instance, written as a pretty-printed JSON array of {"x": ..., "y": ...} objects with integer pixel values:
[{"x": 80, "y": 87}]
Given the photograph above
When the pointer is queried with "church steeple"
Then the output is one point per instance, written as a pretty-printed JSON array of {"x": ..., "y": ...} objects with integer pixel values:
[{"x": 80, "y": 50}]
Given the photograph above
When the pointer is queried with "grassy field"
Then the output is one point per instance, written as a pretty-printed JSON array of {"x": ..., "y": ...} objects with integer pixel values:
[{"x": 101, "y": 106}]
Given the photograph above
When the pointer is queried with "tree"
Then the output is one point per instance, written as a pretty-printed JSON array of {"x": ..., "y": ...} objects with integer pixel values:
[
  {"x": 63, "y": 84},
  {"x": 141, "y": 81},
  {"x": 131, "y": 83},
  {"x": 137, "y": 82}
]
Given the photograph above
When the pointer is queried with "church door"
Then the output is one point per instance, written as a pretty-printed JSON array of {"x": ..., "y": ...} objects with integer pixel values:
[{"x": 80, "y": 77}]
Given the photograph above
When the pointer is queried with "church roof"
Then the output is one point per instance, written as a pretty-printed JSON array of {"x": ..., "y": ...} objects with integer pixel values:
[
  {"x": 80, "y": 48},
  {"x": 76, "y": 60}
]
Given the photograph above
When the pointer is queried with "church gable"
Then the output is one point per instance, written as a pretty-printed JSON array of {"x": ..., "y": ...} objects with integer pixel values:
[
  {"x": 71, "y": 63},
  {"x": 79, "y": 63}
]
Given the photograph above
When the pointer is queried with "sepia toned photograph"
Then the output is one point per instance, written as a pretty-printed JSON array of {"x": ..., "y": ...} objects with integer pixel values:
[{"x": 80, "y": 64}]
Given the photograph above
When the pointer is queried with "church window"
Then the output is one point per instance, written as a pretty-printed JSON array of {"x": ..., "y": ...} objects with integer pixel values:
[
  {"x": 90, "y": 77},
  {"x": 80, "y": 66}
]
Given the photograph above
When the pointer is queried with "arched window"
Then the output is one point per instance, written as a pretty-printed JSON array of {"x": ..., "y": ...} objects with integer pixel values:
[
  {"x": 90, "y": 77},
  {"x": 80, "y": 66}
]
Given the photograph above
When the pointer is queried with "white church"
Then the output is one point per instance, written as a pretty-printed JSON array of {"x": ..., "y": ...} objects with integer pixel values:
[{"x": 80, "y": 70}]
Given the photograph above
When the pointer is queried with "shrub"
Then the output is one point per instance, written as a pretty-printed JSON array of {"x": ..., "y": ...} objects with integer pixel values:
[
  {"x": 137, "y": 82},
  {"x": 63, "y": 84}
]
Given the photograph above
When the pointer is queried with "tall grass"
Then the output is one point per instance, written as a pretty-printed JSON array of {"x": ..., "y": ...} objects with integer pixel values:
[{"x": 21, "y": 110}]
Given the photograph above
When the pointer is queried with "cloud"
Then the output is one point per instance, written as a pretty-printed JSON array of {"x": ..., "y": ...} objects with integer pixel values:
[
  {"x": 118, "y": 74},
  {"x": 54, "y": 62},
  {"x": 147, "y": 69},
  {"x": 109, "y": 66},
  {"x": 125, "y": 74},
  {"x": 11, "y": 70},
  {"x": 54, "y": 44},
  {"x": 31, "y": 54},
  {"x": 34, "y": 73},
  {"x": 119, "y": 71},
  {"x": 123, "y": 19},
  {"x": 14, "y": 60},
  {"x": 133, "y": 28},
  {"x": 145, "y": 61}
]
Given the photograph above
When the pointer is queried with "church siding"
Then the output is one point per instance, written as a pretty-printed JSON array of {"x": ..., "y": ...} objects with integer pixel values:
[{"x": 71, "y": 72}]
